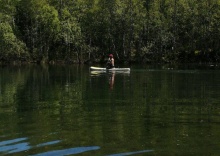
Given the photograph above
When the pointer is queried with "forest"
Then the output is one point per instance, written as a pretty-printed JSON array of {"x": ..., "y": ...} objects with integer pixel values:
[{"x": 86, "y": 31}]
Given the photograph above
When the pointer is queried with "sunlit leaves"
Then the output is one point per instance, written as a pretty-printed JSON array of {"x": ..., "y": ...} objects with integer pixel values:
[
  {"x": 40, "y": 26},
  {"x": 131, "y": 29},
  {"x": 10, "y": 46}
]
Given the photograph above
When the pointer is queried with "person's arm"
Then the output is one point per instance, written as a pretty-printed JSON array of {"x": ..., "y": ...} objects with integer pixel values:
[{"x": 113, "y": 62}]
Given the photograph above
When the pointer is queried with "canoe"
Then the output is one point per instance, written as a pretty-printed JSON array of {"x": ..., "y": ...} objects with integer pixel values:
[{"x": 111, "y": 69}]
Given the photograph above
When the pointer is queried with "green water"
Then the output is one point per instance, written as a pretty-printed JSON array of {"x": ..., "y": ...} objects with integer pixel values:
[{"x": 68, "y": 110}]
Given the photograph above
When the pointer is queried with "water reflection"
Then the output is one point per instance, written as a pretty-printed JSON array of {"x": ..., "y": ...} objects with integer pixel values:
[
  {"x": 69, "y": 151},
  {"x": 2, "y": 143},
  {"x": 97, "y": 73},
  {"x": 48, "y": 143},
  {"x": 131, "y": 153},
  {"x": 14, "y": 146},
  {"x": 110, "y": 74},
  {"x": 18, "y": 145},
  {"x": 69, "y": 110},
  {"x": 111, "y": 80}
]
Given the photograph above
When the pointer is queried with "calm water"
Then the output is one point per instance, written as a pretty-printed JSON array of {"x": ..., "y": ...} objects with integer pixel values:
[{"x": 68, "y": 110}]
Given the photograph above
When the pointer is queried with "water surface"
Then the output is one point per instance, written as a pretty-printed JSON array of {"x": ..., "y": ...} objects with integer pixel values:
[{"x": 68, "y": 110}]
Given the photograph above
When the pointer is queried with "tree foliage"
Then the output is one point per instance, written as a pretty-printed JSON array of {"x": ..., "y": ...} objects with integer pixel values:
[
  {"x": 11, "y": 47},
  {"x": 133, "y": 30}
]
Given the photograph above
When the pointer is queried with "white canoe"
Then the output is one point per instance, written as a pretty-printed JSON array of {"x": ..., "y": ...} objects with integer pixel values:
[{"x": 111, "y": 69}]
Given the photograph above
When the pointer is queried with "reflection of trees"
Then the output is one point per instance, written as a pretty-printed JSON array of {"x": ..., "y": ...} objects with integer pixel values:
[
  {"x": 36, "y": 87},
  {"x": 11, "y": 80},
  {"x": 50, "y": 87},
  {"x": 40, "y": 97},
  {"x": 178, "y": 92},
  {"x": 148, "y": 108}
]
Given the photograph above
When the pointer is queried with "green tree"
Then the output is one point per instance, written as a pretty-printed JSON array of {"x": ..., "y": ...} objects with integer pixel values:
[
  {"x": 134, "y": 30},
  {"x": 39, "y": 25},
  {"x": 11, "y": 48}
]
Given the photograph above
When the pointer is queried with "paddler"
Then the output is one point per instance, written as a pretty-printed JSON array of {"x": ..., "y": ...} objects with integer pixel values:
[{"x": 110, "y": 63}]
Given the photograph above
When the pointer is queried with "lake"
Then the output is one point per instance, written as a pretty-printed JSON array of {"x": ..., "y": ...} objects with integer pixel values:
[{"x": 68, "y": 110}]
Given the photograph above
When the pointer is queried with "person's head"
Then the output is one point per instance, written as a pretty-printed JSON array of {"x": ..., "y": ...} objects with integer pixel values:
[{"x": 110, "y": 55}]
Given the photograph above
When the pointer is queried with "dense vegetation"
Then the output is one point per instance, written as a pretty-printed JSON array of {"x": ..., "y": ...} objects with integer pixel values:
[{"x": 87, "y": 30}]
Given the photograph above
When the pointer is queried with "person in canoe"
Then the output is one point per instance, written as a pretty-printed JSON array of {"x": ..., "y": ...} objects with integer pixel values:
[{"x": 111, "y": 62}]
